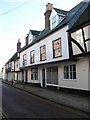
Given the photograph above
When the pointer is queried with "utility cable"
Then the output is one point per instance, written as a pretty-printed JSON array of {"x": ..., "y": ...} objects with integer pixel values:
[{"x": 14, "y": 8}]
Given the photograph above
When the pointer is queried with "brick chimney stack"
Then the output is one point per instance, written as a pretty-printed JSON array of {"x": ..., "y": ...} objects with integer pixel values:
[
  {"x": 47, "y": 14},
  {"x": 18, "y": 45},
  {"x": 26, "y": 39}
]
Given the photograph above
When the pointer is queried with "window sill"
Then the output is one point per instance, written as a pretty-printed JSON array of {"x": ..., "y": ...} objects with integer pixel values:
[
  {"x": 57, "y": 57},
  {"x": 74, "y": 80},
  {"x": 43, "y": 60}
]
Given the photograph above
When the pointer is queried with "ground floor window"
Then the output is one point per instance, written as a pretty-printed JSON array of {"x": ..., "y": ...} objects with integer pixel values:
[
  {"x": 52, "y": 75},
  {"x": 70, "y": 71},
  {"x": 34, "y": 73}
]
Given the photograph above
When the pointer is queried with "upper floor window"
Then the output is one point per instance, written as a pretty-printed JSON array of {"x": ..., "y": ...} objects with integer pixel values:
[
  {"x": 57, "y": 48},
  {"x": 24, "y": 59},
  {"x": 43, "y": 53},
  {"x": 70, "y": 71},
  {"x": 53, "y": 21},
  {"x": 32, "y": 56}
]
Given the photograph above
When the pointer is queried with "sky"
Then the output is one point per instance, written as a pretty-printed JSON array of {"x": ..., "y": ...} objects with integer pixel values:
[{"x": 17, "y": 17}]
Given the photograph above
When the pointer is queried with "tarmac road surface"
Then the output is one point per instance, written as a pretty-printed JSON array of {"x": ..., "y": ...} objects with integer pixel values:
[{"x": 19, "y": 104}]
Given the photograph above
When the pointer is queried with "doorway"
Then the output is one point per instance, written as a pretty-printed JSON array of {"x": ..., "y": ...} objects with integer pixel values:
[
  {"x": 26, "y": 76},
  {"x": 43, "y": 77}
]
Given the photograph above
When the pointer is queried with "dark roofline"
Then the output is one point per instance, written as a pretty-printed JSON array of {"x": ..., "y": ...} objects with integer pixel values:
[
  {"x": 14, "y": 57},
  {"x": 34, "y": 32},
  {"x": 59, "y": 26},
  {"x": 60, "y": 11},
  {"x": 36, "y": 40}
]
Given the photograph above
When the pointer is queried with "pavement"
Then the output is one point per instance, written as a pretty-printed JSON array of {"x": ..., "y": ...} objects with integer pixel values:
[{"x": 73, "y": 101}]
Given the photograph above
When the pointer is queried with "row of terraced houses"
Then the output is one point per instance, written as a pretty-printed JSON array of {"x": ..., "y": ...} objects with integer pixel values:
[{"x": 59, "y": 55}]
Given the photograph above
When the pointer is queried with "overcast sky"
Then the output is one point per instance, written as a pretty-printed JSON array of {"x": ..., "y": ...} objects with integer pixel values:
[{"x": 17, "y": 17}]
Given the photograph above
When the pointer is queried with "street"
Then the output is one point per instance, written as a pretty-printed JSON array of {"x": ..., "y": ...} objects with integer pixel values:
[{"x": 19, "y": 104}]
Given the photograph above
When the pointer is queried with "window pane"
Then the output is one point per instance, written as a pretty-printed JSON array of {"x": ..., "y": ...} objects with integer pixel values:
[
  {"x": 43, "y": 53},
  {"x": 57, "y": 44},
  {"x": 34, "y": 74},
  {"x": 32, "y": 56},
  {"x": 74, "y": 75},
  {"x": 71, "y": 75},
  {"x": 57, "y": 53},
  {"x": 71, "y": 67},
  {"x": 24, "y": 57},
  {"x": 74, "y": 67},
  {"x": 57, "y": 48},
  {"x": 43, "y": 49},
  {"x": 66, "y": 72},
  {"x": 43, "y": 56}
]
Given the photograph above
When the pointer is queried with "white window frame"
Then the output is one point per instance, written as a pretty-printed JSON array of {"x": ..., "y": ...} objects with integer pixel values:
[
  {"x": 34, "y": 73},
  {"x": 71, "y": 74},
  {"x": 53, "y": 21}
]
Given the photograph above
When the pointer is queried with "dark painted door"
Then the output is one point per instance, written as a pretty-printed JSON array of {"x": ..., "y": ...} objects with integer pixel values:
[
  {"x": 43, "y": 77},
  {"x": 26, "y": 76}
]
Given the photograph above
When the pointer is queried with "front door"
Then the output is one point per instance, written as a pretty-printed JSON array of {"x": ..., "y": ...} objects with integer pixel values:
[
  {"x": 26, "y": 76},
  {"x": 43, "y": 77}
]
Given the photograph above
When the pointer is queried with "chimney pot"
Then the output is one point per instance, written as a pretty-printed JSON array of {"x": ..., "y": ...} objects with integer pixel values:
[{"x": 49, "y": 6}]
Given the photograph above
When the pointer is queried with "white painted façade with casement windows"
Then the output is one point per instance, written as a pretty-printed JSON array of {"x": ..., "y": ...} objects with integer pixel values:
[
  {"x": 48, "y": 63},
  {"x": 66, "y": 74},
  {"x": 60, "y": 55}
]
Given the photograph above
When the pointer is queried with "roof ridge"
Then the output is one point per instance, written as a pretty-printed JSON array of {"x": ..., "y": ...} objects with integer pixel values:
[{"x": 60, "y": 9}]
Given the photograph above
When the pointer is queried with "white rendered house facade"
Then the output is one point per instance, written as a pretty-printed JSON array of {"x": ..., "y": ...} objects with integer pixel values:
[
  {"x": 60, "y": 55},
  {"x": 56, "y": 68}
]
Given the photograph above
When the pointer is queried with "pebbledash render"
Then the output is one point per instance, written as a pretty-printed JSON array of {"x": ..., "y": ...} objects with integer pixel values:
[{"x": 57, "y": 56}]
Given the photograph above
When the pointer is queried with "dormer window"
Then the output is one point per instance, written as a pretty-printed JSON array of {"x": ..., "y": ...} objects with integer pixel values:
[
  {"x": 53, "y": 21},
  {"x": 57, "y": 15},
  {"x": 33, "y": 34}
]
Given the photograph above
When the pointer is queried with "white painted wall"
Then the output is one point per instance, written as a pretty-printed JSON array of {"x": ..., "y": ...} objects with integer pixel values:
[
  {"x": 49, "y": 49},
  {"x": 9, "y": 77},
  {"x": 81, "y": 81},
  {"x": 15, "y": 76},
  {"x": 20, "y": 76}
]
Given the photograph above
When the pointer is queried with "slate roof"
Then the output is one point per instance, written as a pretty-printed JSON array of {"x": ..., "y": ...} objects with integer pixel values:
[
  {"x": 14, "y": 57},
  {"x": 70, "y": 19},
  {"x": 34, "y": 32},
  {"x": 59, "y": 11}
]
